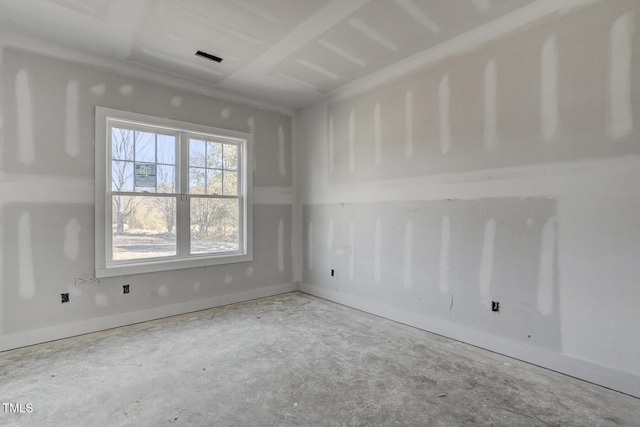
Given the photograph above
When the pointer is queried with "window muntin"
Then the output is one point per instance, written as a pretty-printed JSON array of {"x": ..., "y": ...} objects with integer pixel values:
[{"x": 176, "y": 195}]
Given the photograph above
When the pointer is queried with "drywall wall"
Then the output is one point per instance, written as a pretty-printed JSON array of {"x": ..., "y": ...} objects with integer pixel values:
[
  {"x": 507, "y": 172},
  {"x": 47, "y": 200}
]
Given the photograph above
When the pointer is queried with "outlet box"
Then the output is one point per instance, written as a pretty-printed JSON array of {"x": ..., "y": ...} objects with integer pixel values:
[
  {"x": 125, "y": 289},
  {"x": 64, "y": 298},
  {"x": 495, "y": 306}
]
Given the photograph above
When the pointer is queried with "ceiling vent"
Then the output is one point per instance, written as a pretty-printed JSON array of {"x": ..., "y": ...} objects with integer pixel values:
[{"x": 208, "y": 56}]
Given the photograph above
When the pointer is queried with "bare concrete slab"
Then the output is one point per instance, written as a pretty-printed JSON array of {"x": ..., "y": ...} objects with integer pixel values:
[{"x": 294, "y": 360}]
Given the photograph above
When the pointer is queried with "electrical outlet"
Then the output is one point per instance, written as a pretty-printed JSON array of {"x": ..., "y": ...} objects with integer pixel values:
[
  {"x": 495, "y": 306},
  {"x": 125, "y": 289},
  {"x": 64, "y": 297},
  {"x": 333, "y": 272}
]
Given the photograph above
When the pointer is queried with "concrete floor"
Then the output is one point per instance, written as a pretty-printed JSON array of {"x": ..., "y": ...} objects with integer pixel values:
[{"x": 290, "y": 360}]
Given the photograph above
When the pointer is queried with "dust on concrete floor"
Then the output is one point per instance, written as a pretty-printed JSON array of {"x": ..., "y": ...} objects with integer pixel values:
[{"x": 290, "y": 360}]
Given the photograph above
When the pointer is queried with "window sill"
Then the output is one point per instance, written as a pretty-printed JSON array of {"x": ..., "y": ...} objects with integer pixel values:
[{"x": 169, "y": 264}]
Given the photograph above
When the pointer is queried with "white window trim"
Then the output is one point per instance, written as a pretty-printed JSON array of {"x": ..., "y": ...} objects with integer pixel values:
[{"x": 103, "y": 206}]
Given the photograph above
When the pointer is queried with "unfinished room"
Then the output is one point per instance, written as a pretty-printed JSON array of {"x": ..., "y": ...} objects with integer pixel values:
[{"x": 320, "y": 212}]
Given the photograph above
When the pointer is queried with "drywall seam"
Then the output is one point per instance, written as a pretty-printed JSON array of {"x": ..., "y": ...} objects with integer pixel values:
[
  {"x": 342, "y": 53},
  {"x": 352, "y": 141},
  {"x": 273, "y": 195},
  {"x": 26, "y": 146},
  {"x": 418, "y": 15},
  {"x": 282, "y": 165},
  {"x": 620, "y": 115},
  {"x": 331, "y": 143},
  {"x": 351, "y": 254},
  {"x": 257, "y": 11},
  {"x": 377, "y": 251},
  {"x": 26, "y": 272},
  {"x": 377, "y": 134},
  {"x": 444, "y": 101},
  {"x": 546, "y": 268},
  {"x": 313, "y": 27},
  {"x": 625, "y": 382},
  {"x": 372, "y": 34},
  {"x": 22, "y": 339},
  {"x": 318, "y": 69},
  {"x": 551, "y": 180},
  {"x": 310, "y": 245},
  {"x": 72, "y": 118},
  {"x": 408, "y": 124},
  {"x": 490, "y": 104},
  {"x": 549, "y": 89},
  {"x": 44, "y": 189},
  {"x": 459, "y": 45},
  {"x": 445, "y": 240},
  {"x": 71, "y": 244},
  {"x": 252, "y": 130},
  {"x": 486, "y": 261},
  {"x": 298, "y": 82},
  {"x": 281, "y": 245},
  {"x": 297, "y": 230},
  {"x": 482, "y": 5},
  {"x": 408, "y": 255}
]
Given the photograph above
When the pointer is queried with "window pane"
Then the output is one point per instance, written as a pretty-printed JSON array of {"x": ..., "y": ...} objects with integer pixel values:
[
  {"x": 122, "y": 144},
  {"x": 230, "y": 156},
  {"x": 214, "y": 225},
  {"x": 214, "y": 155},
  {"x": 143, "y": 227},
  {"x": 214, "y": 181},
  {"x": 166, "y": 179},
  {"x": 167, "y": 149},
  {"x": 145, "y": 147},
  {"x": 197, "y": 178},
  {"x": 196, "y": 152},
  {"x": 231, "y": 183},
  {"x": 121, "y": 176}
]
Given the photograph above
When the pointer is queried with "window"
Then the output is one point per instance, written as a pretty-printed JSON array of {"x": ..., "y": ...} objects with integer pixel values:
[{"x": 169, "y": 194}]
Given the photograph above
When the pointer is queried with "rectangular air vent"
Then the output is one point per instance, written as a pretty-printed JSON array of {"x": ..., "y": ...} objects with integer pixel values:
[{"x": 208, "y": 56}]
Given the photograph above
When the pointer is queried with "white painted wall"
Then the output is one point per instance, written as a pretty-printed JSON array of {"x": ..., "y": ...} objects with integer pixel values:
[
  {"x": 508, "y": 172},
  {"x": 47, "y": 105}
]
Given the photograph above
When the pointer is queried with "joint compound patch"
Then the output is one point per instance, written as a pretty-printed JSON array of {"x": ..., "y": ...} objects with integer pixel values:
[
  {"x": 26, "y": 148},
  {"x": 99, "y": 89},
  {"x": 126, "y": 90},
  {"x": 71, "y": 246},
  {"x": 27, "y": 286}
]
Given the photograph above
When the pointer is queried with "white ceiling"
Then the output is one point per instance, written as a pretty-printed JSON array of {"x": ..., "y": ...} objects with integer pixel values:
[{"x": 287, "y": 52}]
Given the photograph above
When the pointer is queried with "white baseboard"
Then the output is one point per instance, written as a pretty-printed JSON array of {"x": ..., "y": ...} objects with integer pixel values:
[
  {"x": 621, "y": 381},
  {"x": 36, "y": 336}
]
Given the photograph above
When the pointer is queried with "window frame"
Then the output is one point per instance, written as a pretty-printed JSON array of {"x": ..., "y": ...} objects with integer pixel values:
[{"x": 105, "y": 266}]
